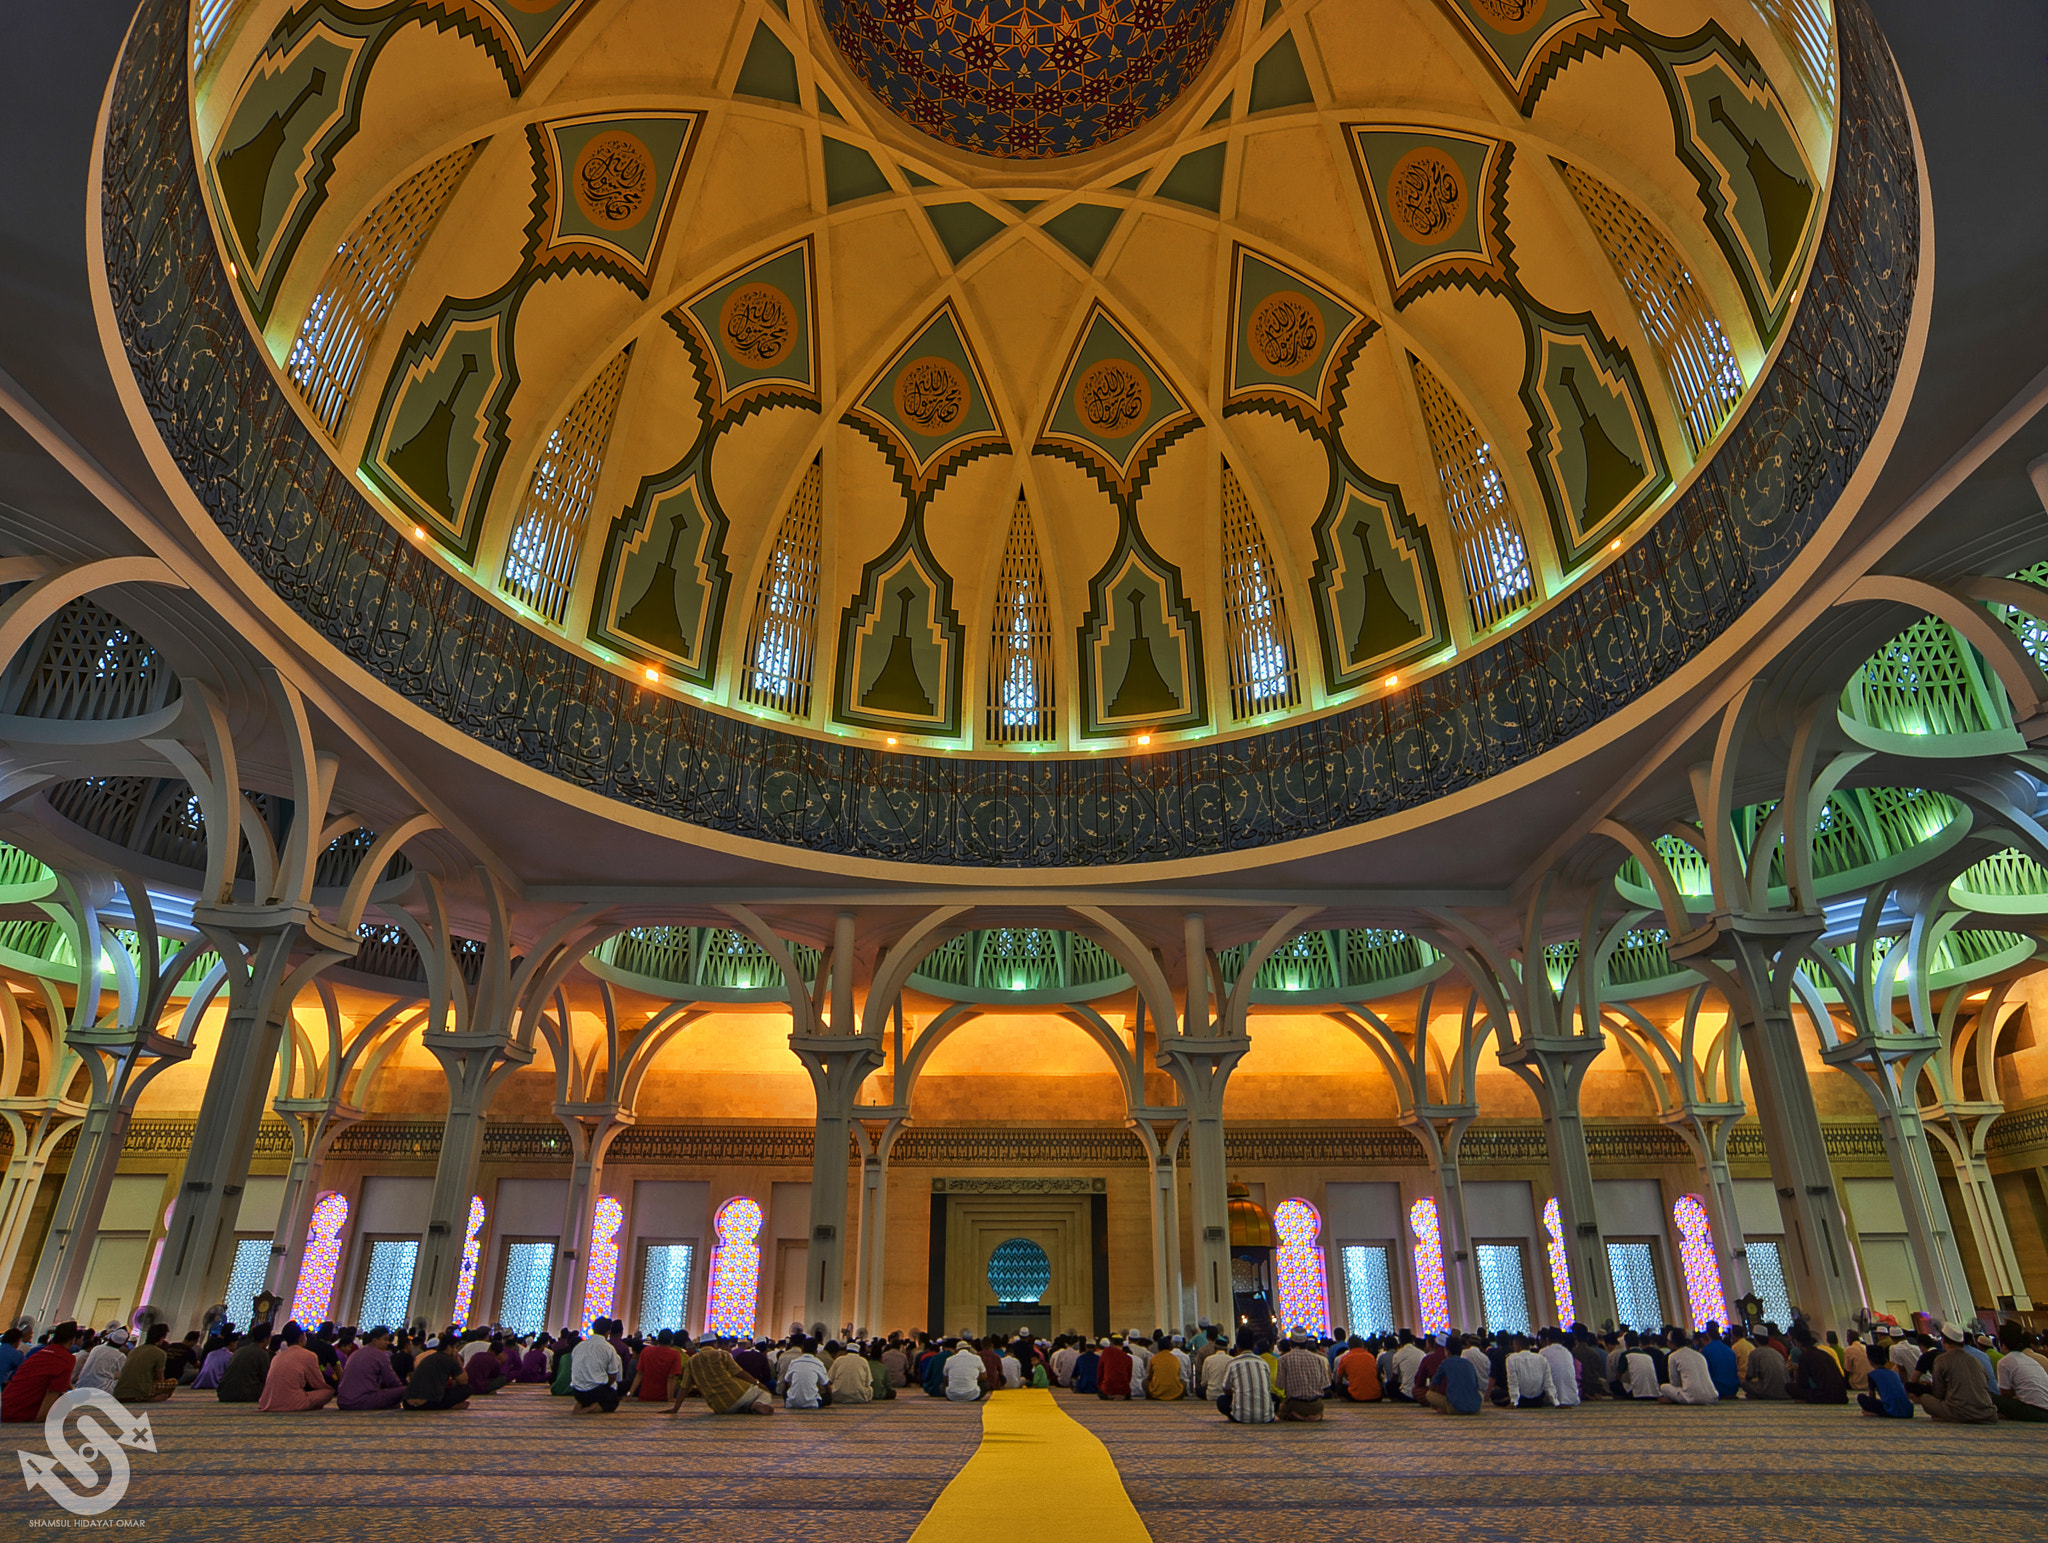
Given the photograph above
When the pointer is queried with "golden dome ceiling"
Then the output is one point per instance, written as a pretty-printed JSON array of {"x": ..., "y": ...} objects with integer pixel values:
[{"x": 1373, "y": 327}]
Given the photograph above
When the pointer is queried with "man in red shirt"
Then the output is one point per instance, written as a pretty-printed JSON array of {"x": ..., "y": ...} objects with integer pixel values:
[
  {"x": 41, "y": 1380},
  {"x": 1112, "y": 1371},
  {"x": 658, "y": 1362}
]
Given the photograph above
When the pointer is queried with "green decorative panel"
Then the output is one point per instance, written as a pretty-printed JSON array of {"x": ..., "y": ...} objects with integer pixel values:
[
  {"x": 1592, "y": 440},
  {"x": 1517, "y": 38},
  {"x": 928, "y": 407},
  {"x": 900, "y": 644},
  {"x": 754, "y": 334},
  {"x": 604, "y": 186},
  {"x": 1141, "y": 647},
  {"x": 662, "y": 591},
  {"x": 517, "y": 34},
  {"x": 1084, "y": 229},
  {"x": 1439, "y": 206},
  {"x": 273, "y": 159},
  {"x": 1377, "y": 603},
  {"x": 1113, "y": 411},
  {"x": 439, "y": 435},
  {"x": 1292, "y": 340}
]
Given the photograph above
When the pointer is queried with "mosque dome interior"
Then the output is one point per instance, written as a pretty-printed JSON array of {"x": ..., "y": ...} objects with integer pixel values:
[{"x": 1034, "y": 665}]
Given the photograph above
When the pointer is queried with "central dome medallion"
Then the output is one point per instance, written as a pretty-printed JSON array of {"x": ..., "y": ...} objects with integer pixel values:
[{"x": 1027, "y": 79}]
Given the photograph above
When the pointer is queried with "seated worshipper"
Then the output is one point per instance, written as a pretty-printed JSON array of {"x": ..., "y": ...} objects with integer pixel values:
[
  {"x": 293, "y": 1381},
  {"x": 879, "y": 1386},
  {"x": 1454, "y": 1387},
  {"x": 727, "y": 1386},
  {"x": 404, "y": 1353},
  {"x": 1304, "y": 1379},
  {"x": 1247, "y": 1397},
  {"x": 1087, "y": 1368},
  {"x": 965, "y": 1375},
  {"x": 1215, "y": 1371},
  {"x": 2022, "y": 1376},
  {"x": 595, "y": 1371},
  {"x": 1064, "y": 1354},
  {"x": 1592, "y": 1363},
  {"x": 1163, "y": 1379},
  {"x": 753, "y": 1360},
  {"x": 1564, "y": 1368},
  {"x": 533, "y": 1364},
  {"x": 1531, "y": 1381},
  {"x": 805, "y": 1380},
  {"x": 1856, "y": 1363},
  {"x": 145, "y": 1378},
  {"x": 486, "y": 1373},
  {"x": 102, "y": 1365},
  {"x": 1433, "y": 1356},
  {"x": 659, "y": 1363},
  {"x": 1402, "y": 1367},
  {"x": 181, "y": 1358},
  {"x": 1767, "y": 1375},
  {"x": 367, "y": 1381},
  {"x": 1356, "y": 1373},
  {"x": 242, "y": 1382},
  {"x": 437, "y": 1380},
  {"x": 564, "y": 1365},
  {"x": 1113, "y": 1370},
  {"x": 11, "y": 1354},
  {"x": 1722, "y": 1366},
  {"x": 43, "y": 1377},
  {"x": 852, "y": 1381},
  {"x": 896, "y": 1362},
  {"x": 1692, "y": 1380},
  {"x": 1816, "y": 1376},
  {"x": 1639, "y": 1372},
  {"x": 1958, "y": 1393},
  {"x": 1491, "y": 1362},
  {"x": 213, "y": 1367},
  {"x": 1887, "y": 1397}
]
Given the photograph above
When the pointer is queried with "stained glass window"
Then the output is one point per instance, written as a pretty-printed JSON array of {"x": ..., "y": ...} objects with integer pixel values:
[
  {"x": 1702, "y": 1269},
  {"x": 323, "y": 1253},
  {"x": 1298, "y": 1268},
  {"x": 1018, "y": 1271},
  {"x": 1503, "y": 1286},
  {"x": 605, "y": 1220},
  {"x": 665, "y": 1286},
  {"x": 472, "y": 1250},
  {"x": 735, "y": 1269},
  {"x": 246, "y": 1275},
  {"x": 1429, "y": 1267},
  {"x": 529, "y": 1277},
  {"x": 1767, "y": 1280},
  {"x": 1560, "y": 1266},
  {"x": 1636, "y": 1301},
  {"x": 387, "y": 1287},
  {"x": 1368, "y": 1289}
]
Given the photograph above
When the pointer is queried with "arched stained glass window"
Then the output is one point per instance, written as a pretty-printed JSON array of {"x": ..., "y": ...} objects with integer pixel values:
[
  {"x": 735, "y": 1269},
  {"x": 472, "y": 1251},
  {"x": 323, "y": 1253},
  {"x": 1560, "y": 1265},
  {"x": 1435, "y": 1302},
  {"x": 606, "y": 1218},
  {"x": 1702, "y": 1269},
  {"x": 1299, "y": 1273}
]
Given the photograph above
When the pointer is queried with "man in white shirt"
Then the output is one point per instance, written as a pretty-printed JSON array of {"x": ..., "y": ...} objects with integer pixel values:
[
  {"x": 1215, "y": 1375},
  {"x": 595, "y": 1370},
  {"x": 1013, "y": 1369},
  {"x": 804, "y": 1382},
  {"x": 1481, "y": 1362},
  {"x": 1639, "y": 1373},
  {"x": 102, "y": 1366},
  {"x": 1141, "y": 1361},
  {"x": 1564, "y": 1368},
  {"x": 1531, "y": 1383},
  {"x": 966, "y": 1377},
  {"x": 1063, "y": 1360},
  {"x": 1187, "y": 1363},
  {"x": 1691, "y": 1382},
  {"x": 1402, "y": 1367},
  {"x": 2022, "y": 1391}
]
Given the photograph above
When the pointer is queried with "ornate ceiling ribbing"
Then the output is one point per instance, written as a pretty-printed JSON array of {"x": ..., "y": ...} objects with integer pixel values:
[{"x": 1124, "y": 406}]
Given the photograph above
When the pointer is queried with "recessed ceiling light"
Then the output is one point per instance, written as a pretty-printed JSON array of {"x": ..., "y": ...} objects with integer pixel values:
[
  {"x": 1393, "y": 680},
  {"x": 418, "y": 534},
  {"x": 892, "y": 739},
  {"x": 654, "y": 675},
  {"x": 1144, "y": 739},
  {"x": 1614, "y": 545}
]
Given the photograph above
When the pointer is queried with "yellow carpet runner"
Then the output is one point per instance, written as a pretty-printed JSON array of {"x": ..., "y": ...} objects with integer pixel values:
[{"x": 1030, "y": 1450}]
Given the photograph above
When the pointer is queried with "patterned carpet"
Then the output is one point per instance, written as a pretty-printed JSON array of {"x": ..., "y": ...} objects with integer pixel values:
[
  {"x": 520, "y": 1466},
  {"x": 1736, "y": 1472}
]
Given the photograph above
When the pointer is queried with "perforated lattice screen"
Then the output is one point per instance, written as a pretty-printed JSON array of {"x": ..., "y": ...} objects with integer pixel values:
[
  {"x": 1636, "y": 1300},
  {"x": 362, "y": 281},
  {"x": 540, "y": 562},
  {"x": 1368, "y": 1288},
  {"x": 523, "y": 1296},
  {"x": 1020, "y": 682},
  {"x": 1503, "y": 1286},
  {"x": 665, "y": 1287},
  {"x": 1019, "y": 1271},
  {"x": 245, "y": 1276},
  {"x": 1263, "y": 676},
  {"x": 86, "y": 666},
  {"x": 1493, "y": 556},
  {"x": 1767, "y": 1280},
  {"x": 1705, "y": 378},
  {"x": 782, "y": 640},
  {"x": 387, "y": 1287}
]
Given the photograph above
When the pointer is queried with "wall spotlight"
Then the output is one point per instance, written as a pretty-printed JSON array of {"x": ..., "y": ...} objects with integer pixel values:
[
  {"x": 892, "y": 739},
  {"x": 419, "y": 533},
  {"x": 1614, "y": 545},
  {"x": 653, "y": 674},
  {"x": 1393, "y": 680},
  {"x": 1144, "y": 739}
]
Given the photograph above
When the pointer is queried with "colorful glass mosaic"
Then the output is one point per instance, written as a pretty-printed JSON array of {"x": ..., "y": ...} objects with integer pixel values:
[
  {"x": 1026, "y": 80},
  {"x": 735, "y": 1269},
  {"x": 1429, "y": 1267},
  {"x": 1560, "y": 1266},
  {"x": 323, "y": 1253},
  {"x": 606, "y": 1219},
  {"x": 472, "y": 1251},
  {"x": 1702, "y": 1269},
  {"x": 1298, "y": 1268},
  {"x": 1368, "y": 1289}
]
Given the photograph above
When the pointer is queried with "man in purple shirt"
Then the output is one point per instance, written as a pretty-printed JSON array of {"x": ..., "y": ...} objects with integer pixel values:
[
  {"x": 367, "y": 1381},
  {"x": 486, "y": 1371}
]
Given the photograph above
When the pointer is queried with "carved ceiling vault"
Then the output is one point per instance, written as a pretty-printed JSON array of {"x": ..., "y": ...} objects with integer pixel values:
[{"x": 1024, "y": 378}]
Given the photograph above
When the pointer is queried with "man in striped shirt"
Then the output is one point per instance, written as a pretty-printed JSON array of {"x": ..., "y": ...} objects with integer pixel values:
[{"x": 1248, "y": 1385}]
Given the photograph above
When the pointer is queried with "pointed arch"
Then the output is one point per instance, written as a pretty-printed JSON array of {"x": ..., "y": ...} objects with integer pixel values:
[
  {"x": 1486, "y": 530},
  {"x": 782, "y": 638},
  {"x": 1264, "y": 674},
  {"x": 1022, "y": 696},
  {"x": 540, "y": 557}
]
